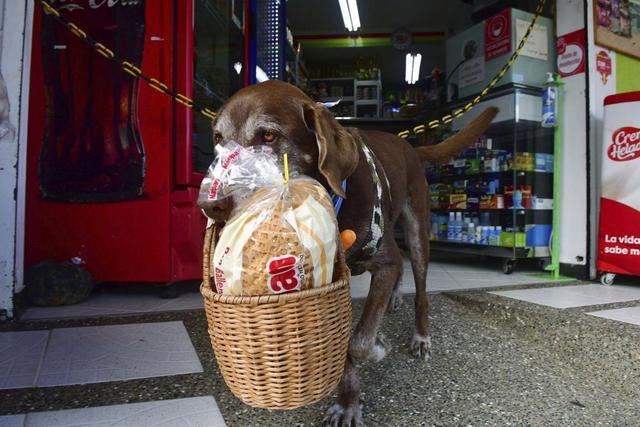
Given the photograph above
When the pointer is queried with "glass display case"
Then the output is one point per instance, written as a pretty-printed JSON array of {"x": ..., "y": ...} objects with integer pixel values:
[
  {"x": 496, "y": 198},
  {"x": 218, "y": 66}
]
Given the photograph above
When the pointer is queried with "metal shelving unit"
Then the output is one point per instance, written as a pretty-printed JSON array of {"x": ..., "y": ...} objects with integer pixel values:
[{"x": 516, "y": 130}]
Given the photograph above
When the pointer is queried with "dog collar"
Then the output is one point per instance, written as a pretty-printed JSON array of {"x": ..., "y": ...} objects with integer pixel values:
[{"x": 336, "y": 199}]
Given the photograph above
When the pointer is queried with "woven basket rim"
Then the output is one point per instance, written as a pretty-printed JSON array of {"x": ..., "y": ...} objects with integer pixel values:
[{"x": 210, "y": 294}]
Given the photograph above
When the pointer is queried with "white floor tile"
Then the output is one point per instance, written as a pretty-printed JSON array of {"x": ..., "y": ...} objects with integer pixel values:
[
  {"x": 21, "y": 354},
  {"x": 575, "y": 296},
  {"x": 190, "y": 412},
  {"x": 449, "y": 277},
  {"x": 117, "y": 352},
  {"x": 113, "y": 304},
  {"x": 12, "y": 420},
  {"x": 627, "y": 315}
]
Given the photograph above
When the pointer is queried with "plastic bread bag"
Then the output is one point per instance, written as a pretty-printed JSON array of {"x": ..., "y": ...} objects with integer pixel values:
[
  {"x": 283, "y": 238},
  {"x": 237, "y": 172}
]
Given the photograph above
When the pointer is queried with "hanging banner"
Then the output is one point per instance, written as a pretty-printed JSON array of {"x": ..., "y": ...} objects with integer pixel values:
[
  {"x": 571, "y": 53},
  {"x": 619, "y": 234},
  {"x": 497, "y": 35}
]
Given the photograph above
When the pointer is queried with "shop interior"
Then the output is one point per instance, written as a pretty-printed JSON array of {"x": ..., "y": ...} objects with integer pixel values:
[{"x": 409, "y": 63}]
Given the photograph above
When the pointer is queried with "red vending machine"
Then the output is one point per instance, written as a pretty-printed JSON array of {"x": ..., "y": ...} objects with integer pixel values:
[{"x": 114, "y": 166}]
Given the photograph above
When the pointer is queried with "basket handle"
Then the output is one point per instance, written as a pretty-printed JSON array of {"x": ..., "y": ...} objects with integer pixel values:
[{"x": 207, "y": 249}]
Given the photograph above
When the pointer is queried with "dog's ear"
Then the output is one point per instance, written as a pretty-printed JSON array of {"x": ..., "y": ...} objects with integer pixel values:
[{"x": 337, "y": 150}]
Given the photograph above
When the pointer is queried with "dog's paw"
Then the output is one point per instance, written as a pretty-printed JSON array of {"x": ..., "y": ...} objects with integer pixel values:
[
  {"x": 339, "y": 416},
  {"x": 421, "y": 347},
  {"x": 396, "y": 301}
]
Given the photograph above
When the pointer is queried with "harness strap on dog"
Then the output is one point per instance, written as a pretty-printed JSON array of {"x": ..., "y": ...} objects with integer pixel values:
[{"x": 377, "y": 219}]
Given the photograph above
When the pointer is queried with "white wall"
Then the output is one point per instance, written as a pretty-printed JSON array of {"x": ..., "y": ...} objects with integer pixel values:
[
  {"x": 598, "y": 90},
  {"x": 573, "y": 192},
  {"x": 15, "y": 23}
]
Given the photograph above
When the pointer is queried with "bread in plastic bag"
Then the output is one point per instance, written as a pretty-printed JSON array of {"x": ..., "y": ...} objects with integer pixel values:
[
  {"x": 238, "y": 171},
  {"x": 282, "y": 238}
]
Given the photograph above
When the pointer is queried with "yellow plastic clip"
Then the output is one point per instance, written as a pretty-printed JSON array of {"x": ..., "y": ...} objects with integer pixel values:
[
  {"x": 286, "y": 168},
  {"x": 458, "y": 113},
  {"x": 447, "y": 119},
  {"x": 404, "y": 134},
  {"x": 434, "y": 124}
]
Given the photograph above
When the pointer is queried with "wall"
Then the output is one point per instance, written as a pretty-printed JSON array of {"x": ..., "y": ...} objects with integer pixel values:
[
  {"x": 15, "y": 33},
  {"x": 624, "y": 70},
  {"x": 574, "y": 241},
  {"x": 627, "y": 69}
]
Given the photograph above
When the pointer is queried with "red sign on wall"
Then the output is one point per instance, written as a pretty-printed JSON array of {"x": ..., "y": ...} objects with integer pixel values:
[
  {"x": 497, "y": 35},
  {"x": 603, "y": 66},
  {"x": 571, "y": 53}
]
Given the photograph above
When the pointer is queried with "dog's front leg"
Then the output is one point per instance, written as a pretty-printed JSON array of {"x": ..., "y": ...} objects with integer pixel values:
[
  {"x": 366, "y": 342},
  {"x": 348, "y": 410}
]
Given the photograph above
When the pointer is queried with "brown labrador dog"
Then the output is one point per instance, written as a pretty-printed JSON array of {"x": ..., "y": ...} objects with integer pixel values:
[{"x": 385, "y": 184}]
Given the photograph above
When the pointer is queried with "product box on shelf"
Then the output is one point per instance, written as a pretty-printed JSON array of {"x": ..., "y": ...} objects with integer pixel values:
[
  {"x": 457, "y": 201},
  {"x": 478, "y": 53},
  {"x": 510, "y": 239},
  {"x": 538, "y": 234},
  {"x": 541, "y": 203},
  {"x": 526, "y": 162}
]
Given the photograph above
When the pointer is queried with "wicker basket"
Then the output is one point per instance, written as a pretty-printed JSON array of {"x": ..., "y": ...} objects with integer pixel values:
[{"x": 279, "y": 351}]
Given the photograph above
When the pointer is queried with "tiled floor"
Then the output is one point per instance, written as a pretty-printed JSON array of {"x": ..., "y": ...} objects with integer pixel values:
[
  {"x": 445, "y": 276},
  {"x": 20, "y": 357},
  {"x": 627, "y": 315},
  {"x": 96, "y": 354},
  {"x": 114, "y": 304},
  {"x": 575, "y": 296},
  {"x": 190, "y": 412}
]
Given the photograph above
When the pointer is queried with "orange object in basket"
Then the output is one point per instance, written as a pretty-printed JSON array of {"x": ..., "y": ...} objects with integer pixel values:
[{"x": 347, "y": 237}]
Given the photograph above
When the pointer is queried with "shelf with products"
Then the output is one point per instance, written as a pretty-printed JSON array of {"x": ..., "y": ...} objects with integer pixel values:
[{"x": 498, "y": 193}]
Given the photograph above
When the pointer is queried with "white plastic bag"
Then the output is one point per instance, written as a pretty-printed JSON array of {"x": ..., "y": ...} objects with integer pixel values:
[{"x": 283, "y": 238}]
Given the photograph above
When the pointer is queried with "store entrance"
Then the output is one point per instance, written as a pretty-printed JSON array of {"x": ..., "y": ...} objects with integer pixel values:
[{"x": 400, "y": 67}]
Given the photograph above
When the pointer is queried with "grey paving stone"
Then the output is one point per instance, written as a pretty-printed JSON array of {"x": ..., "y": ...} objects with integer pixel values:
[
  {"x": 20, "y": 357},
  {"x": 189, "y": 412},
  {"x": 117, "y": 352}
]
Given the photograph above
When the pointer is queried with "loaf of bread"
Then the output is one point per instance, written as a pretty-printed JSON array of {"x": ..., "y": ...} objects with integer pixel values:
[{"x": 282, "y": 239}]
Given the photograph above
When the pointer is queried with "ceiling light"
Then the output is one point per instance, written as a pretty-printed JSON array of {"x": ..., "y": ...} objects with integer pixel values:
[
  {"x": 412, "y": 68},
  {"x": 350, "y": 15}
]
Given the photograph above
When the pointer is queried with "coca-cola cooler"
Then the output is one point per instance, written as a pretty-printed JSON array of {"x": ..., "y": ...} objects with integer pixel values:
[
  {"x": 114, "y": 166},
  {"x": 619, "y": 233}
]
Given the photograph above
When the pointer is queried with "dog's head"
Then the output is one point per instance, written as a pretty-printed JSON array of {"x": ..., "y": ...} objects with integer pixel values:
[{"x": 280, "y": 115}]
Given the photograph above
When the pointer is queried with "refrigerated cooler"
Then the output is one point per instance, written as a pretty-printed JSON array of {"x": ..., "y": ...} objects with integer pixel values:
[{"x": 113, "y": 166}]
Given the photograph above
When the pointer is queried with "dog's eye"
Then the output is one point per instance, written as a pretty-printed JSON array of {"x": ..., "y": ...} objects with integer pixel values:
[
  {"x": 217, "y": 138},
  {"x": 268, "y": 136}
]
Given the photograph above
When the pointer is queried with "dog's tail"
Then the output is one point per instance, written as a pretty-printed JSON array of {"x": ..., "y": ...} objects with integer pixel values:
[{"x": 455, "y": 144}]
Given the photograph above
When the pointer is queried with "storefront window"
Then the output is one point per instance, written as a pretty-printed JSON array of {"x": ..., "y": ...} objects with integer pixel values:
[{"x": 218, "y": 66}]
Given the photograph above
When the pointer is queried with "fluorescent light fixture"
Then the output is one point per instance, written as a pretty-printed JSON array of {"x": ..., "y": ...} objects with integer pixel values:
[
  {"x": 350, "y": 15},
  {"x": 261, "y": 76},
  {"x": 238, "y": 67},
  {"x": 412, "y": 68}
]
